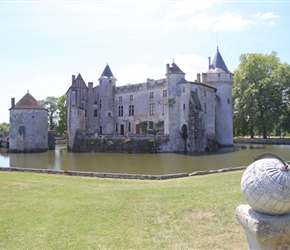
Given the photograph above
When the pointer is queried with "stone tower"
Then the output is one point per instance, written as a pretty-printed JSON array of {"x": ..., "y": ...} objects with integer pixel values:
[
  {"x": 175, "y": 117},
  {"x": 219, "y": 77},
  {"x": 28, "y": 126},
  {"x": 76, "y": 112},
  {"x": 106, "y": 102}
]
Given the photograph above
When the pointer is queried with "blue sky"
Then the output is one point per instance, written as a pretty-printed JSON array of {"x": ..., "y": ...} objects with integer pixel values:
[{"x": 44, "y": 43}]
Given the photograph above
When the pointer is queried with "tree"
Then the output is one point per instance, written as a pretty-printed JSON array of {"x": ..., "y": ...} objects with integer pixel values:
[
  {"x": 62, "y": 121},
  {"x": 50, "y": 103},
  {"x": 259, "y": 91},
  {"x": 4, "y": 129}
]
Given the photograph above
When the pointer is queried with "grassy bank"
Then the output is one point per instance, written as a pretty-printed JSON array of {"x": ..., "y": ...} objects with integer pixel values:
[{"x": 39, "y": 211}]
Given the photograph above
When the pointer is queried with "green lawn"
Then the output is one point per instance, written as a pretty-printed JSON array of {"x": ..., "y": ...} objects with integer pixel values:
[{"x": 40, "y": 211}]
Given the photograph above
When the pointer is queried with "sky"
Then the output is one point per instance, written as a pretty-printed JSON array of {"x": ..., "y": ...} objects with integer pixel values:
[{"x": 44, "y": 43}]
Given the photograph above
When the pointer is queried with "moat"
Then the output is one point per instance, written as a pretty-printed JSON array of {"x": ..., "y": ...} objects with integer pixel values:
[{"x": 148, "y": 164}]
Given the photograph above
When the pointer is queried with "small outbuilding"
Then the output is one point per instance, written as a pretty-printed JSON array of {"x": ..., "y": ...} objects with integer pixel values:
[{"x": 28, "y": 126}]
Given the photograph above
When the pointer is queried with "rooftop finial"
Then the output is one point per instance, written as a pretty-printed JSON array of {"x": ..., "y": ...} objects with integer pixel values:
[
  {"x": 173, "y": 60},
  {"x": 217, "y": 41}
]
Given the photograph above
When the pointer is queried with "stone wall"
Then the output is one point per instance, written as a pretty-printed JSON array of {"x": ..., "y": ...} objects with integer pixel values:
[
  {"x": 281, "y": 141},
  {"x": 120, "y": 176},
  {"x": 117, "y": 143},
  {"x": 28, "y": 131}
]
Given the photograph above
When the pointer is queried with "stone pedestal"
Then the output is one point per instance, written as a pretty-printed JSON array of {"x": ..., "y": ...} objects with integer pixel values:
[{"x": 265, "y": 232}]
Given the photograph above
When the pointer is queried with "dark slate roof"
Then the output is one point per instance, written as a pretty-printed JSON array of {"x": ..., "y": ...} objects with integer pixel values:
[
  {"x": 218, "y": 62},
  {"x": 174, "y": 69},
  {"x": 107, "y": 72},
  {"x": 28, "y": 102}
]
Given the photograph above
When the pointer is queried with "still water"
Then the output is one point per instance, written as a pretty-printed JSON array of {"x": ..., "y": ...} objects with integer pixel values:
[{"x": 149, "y": 164}]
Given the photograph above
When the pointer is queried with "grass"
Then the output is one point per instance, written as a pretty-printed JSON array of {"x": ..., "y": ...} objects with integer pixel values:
[{"x": 39, "y": 211}]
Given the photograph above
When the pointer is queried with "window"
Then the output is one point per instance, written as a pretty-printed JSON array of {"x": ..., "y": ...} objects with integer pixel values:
[
  {"x": 150, "y": 124},
  {"x": 120, "y": 98},
  {"x": 205, "y": 108},
  {"x": 183, "y": 105},
  {"x": 163, "y": 109},
  {"x": 95, "y": 113},
  {"x": 85, "y": 113},
  {"x": 129, "y": 127},
  {"x": 120, "y": 111},
  {"x": 100, "y": 104},
  {"x": 229, "y": 101},
  {"x": 183, "y": 89},
  {"x": 131, "y": 97},
  {"x": 109, "y": 114},
  {"x": 151, "y": 108},
  {"x": 165, "y": 93},
  {"x": 151, "y": 95},
  {"x": 131, "y": 110},
  {"x": 204, "y": 93}
]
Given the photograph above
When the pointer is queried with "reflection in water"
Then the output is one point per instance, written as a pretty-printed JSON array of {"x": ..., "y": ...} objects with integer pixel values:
[{"x": 154, "y": 164}]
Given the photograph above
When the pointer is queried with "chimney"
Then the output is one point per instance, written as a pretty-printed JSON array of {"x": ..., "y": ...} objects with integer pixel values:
[
  {"x": 12, "y": 102},
  {"x": 167, "y": 69},
  {"x": 198, "y": 77},
  {"x": 73, "y": 78},
  {"x": 204, "y": 78},
  {"x": 91, "y": 85},
  {"x": 209, "y": 59}
]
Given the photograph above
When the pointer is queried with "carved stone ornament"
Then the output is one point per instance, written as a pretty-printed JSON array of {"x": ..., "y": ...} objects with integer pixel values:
[{"x": 266, "y": 185}]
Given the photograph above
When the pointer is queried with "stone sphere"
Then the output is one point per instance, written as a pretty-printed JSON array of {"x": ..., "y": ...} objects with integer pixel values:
[{"x": 266, "y": 186}]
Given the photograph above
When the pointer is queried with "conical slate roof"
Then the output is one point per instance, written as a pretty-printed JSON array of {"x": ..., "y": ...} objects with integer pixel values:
[
  {"x": 107, "y": 72},
  {"x": 28, "y": 102},
  {"x": 218, "y": 62}
]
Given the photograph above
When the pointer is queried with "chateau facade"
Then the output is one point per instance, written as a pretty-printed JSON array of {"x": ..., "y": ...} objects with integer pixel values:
[{"x": 192, "y": 115}]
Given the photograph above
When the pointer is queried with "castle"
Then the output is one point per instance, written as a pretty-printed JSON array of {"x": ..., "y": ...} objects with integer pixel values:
[{"x": 192, "y": 115}]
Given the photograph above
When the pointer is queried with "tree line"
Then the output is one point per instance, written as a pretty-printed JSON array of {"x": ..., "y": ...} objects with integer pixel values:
[{"x": 261, "y": 96}]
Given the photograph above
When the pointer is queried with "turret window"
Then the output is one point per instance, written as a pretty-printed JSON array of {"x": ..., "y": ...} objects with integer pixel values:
[
  {"x": 165, "y": 93},
  {"x": 100, "y": 104},
  {"x": 151, "y": 95},
  {"x": 95, "y": 113}
]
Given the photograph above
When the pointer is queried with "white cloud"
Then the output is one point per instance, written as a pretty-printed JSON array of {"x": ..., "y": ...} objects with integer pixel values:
[
  {"x": 183, "y": 8},
  {"x": 138, "y": 73},
  {"x": 271, "y": 23},
  {"x": 190, "y": 64},
  {"x": 268, "y": 15},
  {"x": 226, "y": 21}
]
